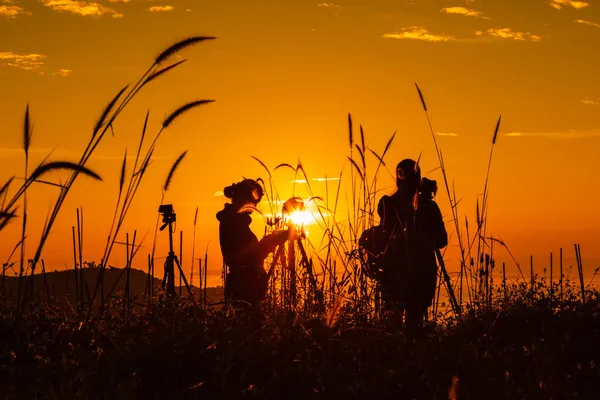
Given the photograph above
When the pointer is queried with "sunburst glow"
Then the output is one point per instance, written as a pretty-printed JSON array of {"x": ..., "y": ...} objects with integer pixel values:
[{"x": 302, "y": 218}]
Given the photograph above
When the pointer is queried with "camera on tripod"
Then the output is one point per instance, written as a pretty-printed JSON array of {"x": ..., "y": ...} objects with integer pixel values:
[{"x": 168, "y": 214}]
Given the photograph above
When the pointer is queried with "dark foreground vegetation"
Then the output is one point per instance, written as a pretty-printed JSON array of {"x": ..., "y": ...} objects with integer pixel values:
[
  {"x": 524, "y": 346},
  {"x": 89, "y": 334}
]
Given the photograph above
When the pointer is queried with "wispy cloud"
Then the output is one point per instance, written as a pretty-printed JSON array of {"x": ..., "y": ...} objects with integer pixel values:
[
  {"x": 63, "y": 72},
  {"x": 589, "y": 102},
  {"x": 82, "y": 8},
  {"x": 590, "y": 23},
  {"x": 304, "y": 181},
  {"x": 418, "y": 33},
  {"x": 26, "y": 62},
  {"x": 447, "y": 134},
  {"x": 12, "y": 11},
  {"x": 558, "y": 4},
  {"x": 325, "y": 179},
  {"x": 161, "y": 8},
  {"x": 508, "y": 33},
  {"x": 329, "y": 5},
  {"x": 572, "y": 134},
  {"x": 467, "y": 12},
  {"x": 219, "y": 193}
]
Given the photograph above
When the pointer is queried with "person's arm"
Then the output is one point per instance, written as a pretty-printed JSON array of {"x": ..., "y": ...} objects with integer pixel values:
[
  {"x": 440, "y": 236},
  {"x": 269, "y": 242}
]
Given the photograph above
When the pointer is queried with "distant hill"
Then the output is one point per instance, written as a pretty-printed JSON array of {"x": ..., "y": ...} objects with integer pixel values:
[{"x": 61, "y": 284}]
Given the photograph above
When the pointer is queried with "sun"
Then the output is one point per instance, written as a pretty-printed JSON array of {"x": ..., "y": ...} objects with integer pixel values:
[{"x": 301, "y": 218}]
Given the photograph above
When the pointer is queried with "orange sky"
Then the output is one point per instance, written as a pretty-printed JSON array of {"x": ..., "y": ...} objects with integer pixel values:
[{"x": 285, "y": 74}]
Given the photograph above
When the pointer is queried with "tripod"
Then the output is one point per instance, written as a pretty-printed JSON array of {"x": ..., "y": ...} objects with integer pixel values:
[
  {"x": 290, "y": 265},
  {"x": 169, "y": 278}
]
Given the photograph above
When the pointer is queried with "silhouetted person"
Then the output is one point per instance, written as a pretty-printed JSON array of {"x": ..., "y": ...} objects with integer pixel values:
[
  {"x": 412, "y": 224},
  {"x": 430, "y": 235},
  {"x": 242, "y": 252}
]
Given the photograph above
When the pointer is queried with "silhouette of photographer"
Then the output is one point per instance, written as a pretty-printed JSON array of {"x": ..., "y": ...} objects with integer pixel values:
[
  {"x": 242, "y": 252},
  {"x": 412, "y": 224}
]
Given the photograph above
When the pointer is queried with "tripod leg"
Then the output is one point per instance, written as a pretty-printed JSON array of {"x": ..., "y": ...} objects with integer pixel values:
[
  {"x": 184, "y": 279},
  {"x": 170, "y": 275},
  {"x": 165, "y": 276},
  {"x": 453, "y": 300}
]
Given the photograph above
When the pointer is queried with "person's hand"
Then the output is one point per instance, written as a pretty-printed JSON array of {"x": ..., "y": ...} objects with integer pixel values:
[{"x": 294, "y": 233}]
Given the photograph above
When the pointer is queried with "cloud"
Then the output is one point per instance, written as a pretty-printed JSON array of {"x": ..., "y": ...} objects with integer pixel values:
[
  {"x": 572, "y": 134},
  {"x": 447, "y": 134},
  {"x": 219, "y": 193},
  {"x": 508, "y": 33},
  {"x": 590, "y": 23},
  {"x": 328, "y": 5},
  {"x": 82, "y": 8},
  {"x": 161, "y": 8},
  {"x": 12, "y": 11},
  {"x": 589, "y": 102},
  {"x": 26, "y": 62},
  {"x": 418, "y": 33},
  {"x": 325, "y": 179},
  {"x": 558, "y": 4},
  {"x": 63, "y": 72},
  {"x": 467, "y": 12}
]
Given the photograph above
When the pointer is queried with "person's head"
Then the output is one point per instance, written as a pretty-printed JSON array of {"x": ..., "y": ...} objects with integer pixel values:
[
  {"x": 246, "y": 191},
  {"x": 408, "y": 176}
]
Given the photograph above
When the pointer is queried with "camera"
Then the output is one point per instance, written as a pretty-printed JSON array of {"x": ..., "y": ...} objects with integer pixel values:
[
  {"x": 167, "y": 212},
  {"x": 428, "y": 188}
]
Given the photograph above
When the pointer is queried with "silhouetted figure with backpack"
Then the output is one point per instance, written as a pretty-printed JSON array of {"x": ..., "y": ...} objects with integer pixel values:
[
  {"x": 411, "y": 229},
  {"x": 242, "y": 252}
]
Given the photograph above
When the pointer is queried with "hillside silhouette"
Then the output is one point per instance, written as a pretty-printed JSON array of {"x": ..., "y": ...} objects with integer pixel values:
[{"x": 61, "y": 284}]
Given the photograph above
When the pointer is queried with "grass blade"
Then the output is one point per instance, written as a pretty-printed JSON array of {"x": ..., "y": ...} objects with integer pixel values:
[
  {"x": 496, "y": 130},
  {"x": 421, "y": 97},
  {"x": 62, "y": 165},
  {"x": 162, "y": 71},
  {"x": 27, "y": 131},
  {"x": 175, "y": 48},
  {"x": 122, "y": 177},
  {"x": 263, "y": 165},
  {"x": 357, "y": 168},
  {"x": 173, "y": 169},
  {"x": 362, "y": 139},
  {"x": 107, "y": 110},
  {"x": 350, "y": 134},
  {"x": 169, "y": 120}
]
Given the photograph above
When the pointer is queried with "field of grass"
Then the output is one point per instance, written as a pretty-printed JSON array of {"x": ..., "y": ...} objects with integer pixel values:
[
  {"x": 526, "y": 348},
  {"x": 110, "y": 333}
]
